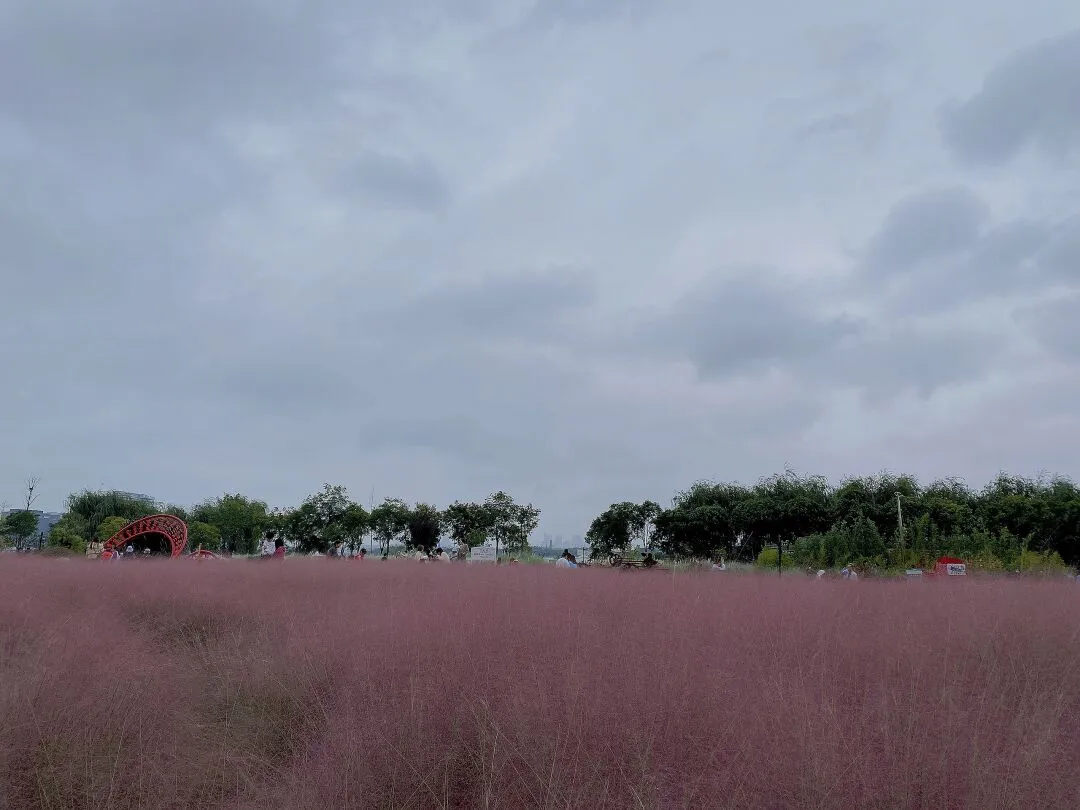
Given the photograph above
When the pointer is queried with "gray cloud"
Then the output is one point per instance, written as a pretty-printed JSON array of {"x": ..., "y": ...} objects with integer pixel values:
[
  {"x": 397, "y": 182},
  {"x": 748, "y": 322},
  {"x": 437, "y": 249},
  {"x": 1056, "y": 325},
  {"x": 925, "y": 226},
  {"x": 1029, "y": 99}
]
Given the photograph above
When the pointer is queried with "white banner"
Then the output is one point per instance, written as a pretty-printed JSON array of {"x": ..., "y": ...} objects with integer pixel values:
[{"x": 482, "y": 554}]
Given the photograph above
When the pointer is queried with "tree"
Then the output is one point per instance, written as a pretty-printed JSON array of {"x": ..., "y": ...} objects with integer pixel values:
[
  {"x": 389, "y": 522},
  {"x": 62, "y": 536},
  {"x": 424, "y": 528},
  {"x": 203, "y": 535},
  {"x": 94, "y": 507},
  {"x": 612, "y": 531},
  {"x": 325, "y": 518},
  {"x": 701, "y": 522},
  {"x": 109, "y": 526},
  {"x": 511, "y": 523},
  {"x": 20, "y": 526},
  {"x": 240, "y": 520},
  {"x": 468, "y": 524}
]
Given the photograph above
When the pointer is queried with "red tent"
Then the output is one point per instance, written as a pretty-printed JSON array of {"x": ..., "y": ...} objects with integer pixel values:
[{"x": 950, "y": 566}]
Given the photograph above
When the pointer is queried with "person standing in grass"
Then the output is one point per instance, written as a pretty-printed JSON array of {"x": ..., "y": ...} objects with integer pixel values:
[
  {"x": 566, "y": 560},
  {"x": 279, "y": 549}
]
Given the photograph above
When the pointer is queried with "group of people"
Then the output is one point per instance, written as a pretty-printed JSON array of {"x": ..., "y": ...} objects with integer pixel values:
[{"x": 128, "y": 553}]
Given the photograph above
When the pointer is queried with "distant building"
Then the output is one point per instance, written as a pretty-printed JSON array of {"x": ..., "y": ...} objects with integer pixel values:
[{"x": 137, "y": 496}]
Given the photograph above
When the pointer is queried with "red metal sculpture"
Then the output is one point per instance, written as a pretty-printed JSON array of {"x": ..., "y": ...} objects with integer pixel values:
[{"x": 170, "y": 527}]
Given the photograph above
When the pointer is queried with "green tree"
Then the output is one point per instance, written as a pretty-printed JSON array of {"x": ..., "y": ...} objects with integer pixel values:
[
  {"x": 613, "y": 530},
  {"x": 70, "y": 533},
  {"x": 701, "y": 522},
  {"x": 424, "y": 528},
  {"x": 240, "y": 520},
  {"x": 20, "y": 525},
  {"x": 94, "y": 507},
  {"x": 325, "y": 518},
  {"x": 204, "y": 535},
  {"x": 467, "y": 524},
  {"x": 511, "y": 523},
  {"x": 109, "y": 526},
  {"x": 389, "y": 523}
]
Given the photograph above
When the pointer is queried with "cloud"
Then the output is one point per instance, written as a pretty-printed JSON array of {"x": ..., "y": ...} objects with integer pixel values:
[
  {"x": 558, "y": 248},
  {"x": 1056, "y": 325},
  {"x": 1030, "y": 99},
  {"x": 925, "y": 226},
  {"x": 746, "y": 322}
]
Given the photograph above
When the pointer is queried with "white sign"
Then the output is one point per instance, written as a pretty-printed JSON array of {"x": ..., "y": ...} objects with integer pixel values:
[
  {"x": 482, "y": 554},
  {"x": 956, "y": 569}
]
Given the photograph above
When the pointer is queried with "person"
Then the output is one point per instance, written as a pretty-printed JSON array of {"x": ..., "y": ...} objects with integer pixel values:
[
  {"x": 335, "y": 551},
  {"x": 566, "y": 560},
  {"x": 441, "y": 555},
  {"x": 648, "y": 561},
  {"x": 267, "y": 547},
  {"x": 129, "y": 551},
  {"x": 719, "y": 565},
  {"x": 361, "y": 554},
  {"x": 279, "y": 549}
]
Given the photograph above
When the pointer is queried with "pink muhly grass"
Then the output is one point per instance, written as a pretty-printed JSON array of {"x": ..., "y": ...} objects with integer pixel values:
[{"x": 317, "y": 684}]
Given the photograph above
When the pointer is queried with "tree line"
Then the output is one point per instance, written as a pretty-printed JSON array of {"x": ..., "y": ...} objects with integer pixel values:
[
  {"x": 884, "y": 521},
  {"x": 236, "y": 524}
]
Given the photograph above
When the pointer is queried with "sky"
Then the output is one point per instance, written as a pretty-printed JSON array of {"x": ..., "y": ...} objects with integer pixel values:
[{"x": 583, "y": 252}]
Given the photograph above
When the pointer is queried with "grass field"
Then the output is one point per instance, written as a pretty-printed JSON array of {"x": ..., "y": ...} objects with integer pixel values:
[{"x": 317, "y": 684}]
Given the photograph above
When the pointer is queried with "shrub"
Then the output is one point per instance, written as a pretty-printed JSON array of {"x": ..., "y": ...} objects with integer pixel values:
[
  {"x": 1042, "y": 562},
  {"x": 768, "y": 557}
]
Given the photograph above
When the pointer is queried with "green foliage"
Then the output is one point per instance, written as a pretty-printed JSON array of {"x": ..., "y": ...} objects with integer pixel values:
[
  {"x": 109, "y": 526},
  {"x": 94, "y": 507},
  {"x": 468, "y": 523},
  {"x": 240, "y": 520},
  {"x": 325, "y": 518},
  {"x": 860, "y": 521},
  {"x": 20, "y": 526},
  {"x": 68, "y": 534},
  {"x": 768, "y": 556},
  {"x": 424, "y": 528},
  {"x": 622, "y": 526},
  {"x": 389, "y": 522},
  {"x": 1042, "y": 562},
  {"x": 204, "y": 535},
  {"x": 511, "y": 523}
]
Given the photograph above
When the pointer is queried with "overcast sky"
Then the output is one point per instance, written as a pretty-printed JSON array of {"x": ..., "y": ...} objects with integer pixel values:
[{"x": 581, "y": 251}]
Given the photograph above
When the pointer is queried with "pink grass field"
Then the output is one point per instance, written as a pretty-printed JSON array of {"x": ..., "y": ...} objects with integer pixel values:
[{"x": 317, "y": 684}]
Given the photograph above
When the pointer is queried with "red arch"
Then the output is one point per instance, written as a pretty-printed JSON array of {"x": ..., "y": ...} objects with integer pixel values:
[{"x": 169, "y": 525}]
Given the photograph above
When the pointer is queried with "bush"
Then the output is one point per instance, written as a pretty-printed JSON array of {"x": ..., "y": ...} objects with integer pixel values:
[
  {"x": 768, "y": 557},
  {"x": 65, "y": 539},
  {"x": 1042, "y": 562}
]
